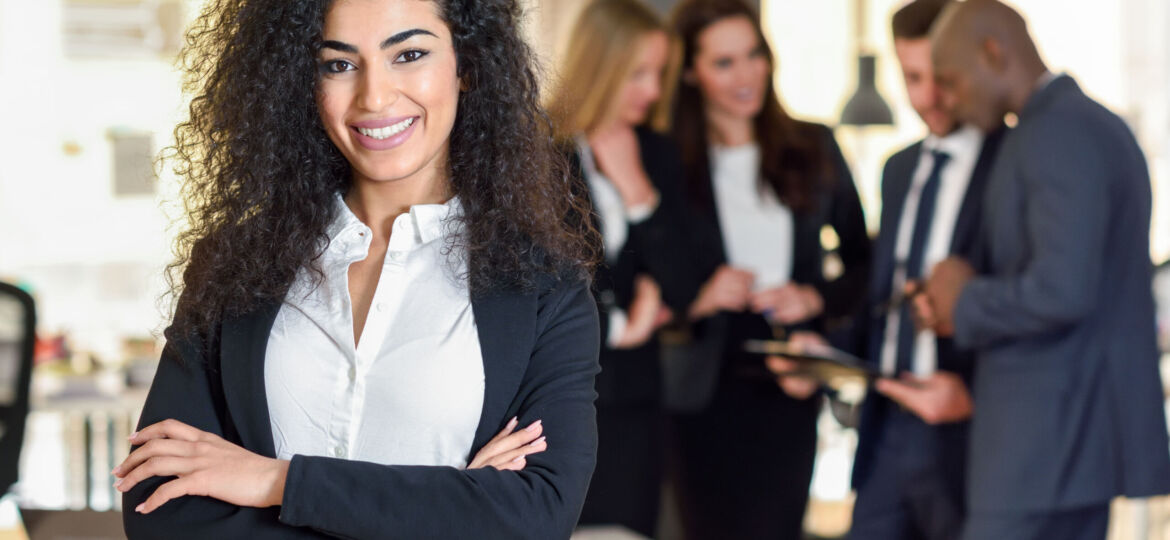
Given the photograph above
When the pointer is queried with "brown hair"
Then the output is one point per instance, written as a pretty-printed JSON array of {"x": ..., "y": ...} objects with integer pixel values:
[
  {"x": 913, "y": 20},
  {"x": 794, "y": 154},
  {"x": 598, "y": 60}
]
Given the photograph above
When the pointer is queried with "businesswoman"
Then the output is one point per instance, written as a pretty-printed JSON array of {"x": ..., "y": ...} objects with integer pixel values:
[
  {"x": 761, "y": 186},
  {"x": 384, "y": 267},
  {"x": 609, "y": 95}
]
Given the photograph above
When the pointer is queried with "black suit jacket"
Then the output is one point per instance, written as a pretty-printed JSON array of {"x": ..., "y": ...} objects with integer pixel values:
[
  {"x": 540, "y": 359},
  {"x": 658, "y": 247},
  {"x": 836, "y": 205},
  {"x": 1068, "y": 400},
  {"x": 869, "y": 329}
]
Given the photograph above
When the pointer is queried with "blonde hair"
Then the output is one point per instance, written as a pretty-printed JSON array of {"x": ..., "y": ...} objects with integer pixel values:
[{"x": 598, "y": 60}]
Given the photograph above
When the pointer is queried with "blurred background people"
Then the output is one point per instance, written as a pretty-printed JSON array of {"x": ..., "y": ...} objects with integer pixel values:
[
  {"x": 760, "y": 187},
  {"x": 909, "y": 466},
  {"x": 611, "y": 87},
  {"x": 1070, "y": 410}
]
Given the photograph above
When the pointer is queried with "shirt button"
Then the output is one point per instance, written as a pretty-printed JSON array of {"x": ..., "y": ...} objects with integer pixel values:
[
  {"x": 339, "y": 452},
  {"x": 352, "y": 373}
]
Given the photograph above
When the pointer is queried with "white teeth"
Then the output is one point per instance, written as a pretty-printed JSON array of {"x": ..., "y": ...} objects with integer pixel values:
[{"x": 388, "y": 131}]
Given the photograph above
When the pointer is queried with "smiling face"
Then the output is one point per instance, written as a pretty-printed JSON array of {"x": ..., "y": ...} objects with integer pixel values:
[
  {"x": 918, "y": 73},
  {"x": 388, "y": 90},
  {"x": 731, "y": 69}
]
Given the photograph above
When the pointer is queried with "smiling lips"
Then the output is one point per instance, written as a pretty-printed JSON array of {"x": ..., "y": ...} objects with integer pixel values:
[{"x": 382, "y": 135}]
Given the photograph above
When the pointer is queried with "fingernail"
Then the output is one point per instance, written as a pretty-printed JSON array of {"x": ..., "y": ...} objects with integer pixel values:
[
  {"x": 512, "y": 423},
  {"x": 537, "y": 441},
  {"x": 139, "y": 508},
  {"x": 132, "y": 436},
  {"x": 518, "y": 460},
  {"x": 533, "y": 426},
  {"x": 116, "y": 470},
  {"x": 118, "y": 483}
]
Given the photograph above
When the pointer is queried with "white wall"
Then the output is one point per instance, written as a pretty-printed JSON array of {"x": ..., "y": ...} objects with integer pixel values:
[{"x": 92, "y": 260}]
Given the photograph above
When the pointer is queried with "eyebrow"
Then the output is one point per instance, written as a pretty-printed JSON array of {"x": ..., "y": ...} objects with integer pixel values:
[{"x": 389, "y": 42}]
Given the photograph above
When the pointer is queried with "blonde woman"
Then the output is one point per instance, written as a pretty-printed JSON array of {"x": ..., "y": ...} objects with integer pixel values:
[{"x": 610, "y": 91}]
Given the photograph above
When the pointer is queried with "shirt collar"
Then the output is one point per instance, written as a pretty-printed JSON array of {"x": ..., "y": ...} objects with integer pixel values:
[
  {"x": 962, "y": 144},
  {"x": 1045, "y": 80},
  {"x": 423, "y": 223}
]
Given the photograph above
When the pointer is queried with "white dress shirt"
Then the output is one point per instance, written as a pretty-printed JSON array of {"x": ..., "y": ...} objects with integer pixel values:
[
  {"x": 411, "y": 391},
  {"x": 963, "y": 147},
  {"x": 615, "y": 224},
  {"x": 757, "y": 228}
]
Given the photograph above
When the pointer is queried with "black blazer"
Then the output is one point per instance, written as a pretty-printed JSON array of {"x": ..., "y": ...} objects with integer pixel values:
[
  {"x": 658, "y": 246},
  {"x": 540, "y": 360},
  {"x": 869, "y": 329},
  {"x": 837, "y": 206}
]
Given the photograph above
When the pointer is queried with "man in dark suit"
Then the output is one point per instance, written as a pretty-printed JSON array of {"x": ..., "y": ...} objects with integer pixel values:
[
  {"x": 1068, "y": 400},
  {"x": 910, "y": 461}
]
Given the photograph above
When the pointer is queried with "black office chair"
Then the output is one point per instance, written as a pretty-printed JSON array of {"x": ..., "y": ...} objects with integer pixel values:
[{"x": 18, "y": 323}]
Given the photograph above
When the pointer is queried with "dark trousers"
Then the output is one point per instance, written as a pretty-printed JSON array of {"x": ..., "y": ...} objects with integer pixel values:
[
  {"x": 742, "y": 466},
  {"x": 915, "y": 485},
  {"x": 1088, "y": 523},
  {"x": 626, "y": 484}
]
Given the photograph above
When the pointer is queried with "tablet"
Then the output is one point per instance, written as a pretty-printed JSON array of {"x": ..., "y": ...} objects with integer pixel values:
[{"x": 819, "y": 361}]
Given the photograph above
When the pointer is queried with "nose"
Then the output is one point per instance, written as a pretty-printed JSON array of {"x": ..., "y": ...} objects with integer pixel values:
[
  {"x": 653, "y": 90},
  {"x": 377, "y": 90}
]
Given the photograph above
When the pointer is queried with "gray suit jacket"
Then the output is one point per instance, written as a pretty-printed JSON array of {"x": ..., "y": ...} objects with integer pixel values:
[{"x": 1068, "y": 401}]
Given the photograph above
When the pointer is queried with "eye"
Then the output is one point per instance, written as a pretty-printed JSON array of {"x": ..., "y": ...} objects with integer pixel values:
[
  {"x": 412, "y": 55},
  {"x": 336, "y": 66},
  {"x": 723, "y": 63}
]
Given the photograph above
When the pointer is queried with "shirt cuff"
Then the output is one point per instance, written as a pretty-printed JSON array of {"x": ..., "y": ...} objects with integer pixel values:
[
  {"x": 617, "y": 327},
  {"x": 642, "y": 212}
]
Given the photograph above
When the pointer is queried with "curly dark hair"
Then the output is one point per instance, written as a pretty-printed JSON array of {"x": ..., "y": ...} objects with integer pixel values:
[{"x": 260, "y": 175}]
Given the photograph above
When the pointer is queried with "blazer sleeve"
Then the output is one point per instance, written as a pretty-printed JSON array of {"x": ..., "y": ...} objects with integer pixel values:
[
  {"x": 186, "y": 389},
  {"x": 663, "y": 241},
  {"x": 1065, "y": 181},
  {"x": 845, "y": 295},
  {"x": 355, "y": 499}
]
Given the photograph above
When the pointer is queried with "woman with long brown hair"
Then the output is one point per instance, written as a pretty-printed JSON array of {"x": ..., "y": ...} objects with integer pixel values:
[
  {"x": 761, "y": 187},
  {"x": 610, "y": 91}
]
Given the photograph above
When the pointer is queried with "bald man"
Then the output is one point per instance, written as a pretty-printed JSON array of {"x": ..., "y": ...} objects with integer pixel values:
[{"x": 1068, "y": 401}]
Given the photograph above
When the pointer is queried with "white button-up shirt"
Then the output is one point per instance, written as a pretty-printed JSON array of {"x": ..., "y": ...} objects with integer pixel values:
[
  {"x": 963, "y": 147},
  {"x": 411, "y": 392},
  {"x": 757, "y": 228}
]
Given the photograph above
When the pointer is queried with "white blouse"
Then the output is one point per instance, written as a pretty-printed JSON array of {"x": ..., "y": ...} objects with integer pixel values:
[
  {"x": 411, "y": 392},
  {"x": 757, "y": 228}
]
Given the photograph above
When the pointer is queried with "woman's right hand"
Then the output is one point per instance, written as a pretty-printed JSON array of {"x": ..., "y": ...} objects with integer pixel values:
[
  {"x": 646, "y": 315},
  {"x": 728, "y": 289},
  {"x": 508, "y": 450}
]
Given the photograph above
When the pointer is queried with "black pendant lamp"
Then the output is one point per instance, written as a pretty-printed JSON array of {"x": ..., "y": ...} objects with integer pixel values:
[{"x": 866, "y": 107}]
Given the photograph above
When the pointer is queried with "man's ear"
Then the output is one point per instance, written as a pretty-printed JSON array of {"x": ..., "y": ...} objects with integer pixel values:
[{"x": 993, "y": 55}]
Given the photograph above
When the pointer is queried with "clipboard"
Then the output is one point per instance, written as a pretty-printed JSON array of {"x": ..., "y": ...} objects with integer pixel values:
[{"x": 823, "y": 363}]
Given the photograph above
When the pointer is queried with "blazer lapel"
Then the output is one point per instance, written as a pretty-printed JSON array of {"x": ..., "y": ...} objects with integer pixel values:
[
  {"x": 901, "y": 176},
  {"x": 964, "y": 242},
  {"x": 506, "y": 325},
  {"x": 243, "y": 344}
]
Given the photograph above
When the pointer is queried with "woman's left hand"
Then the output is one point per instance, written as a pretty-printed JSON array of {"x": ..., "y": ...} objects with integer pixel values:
[
  {"x": 789, "y": 304},
  {"x": 204, "y": 463}
]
